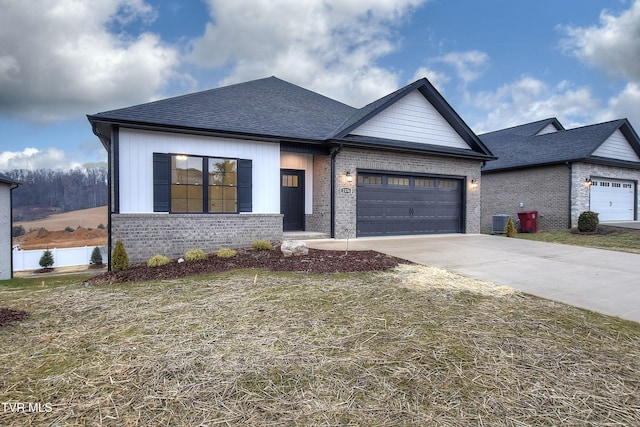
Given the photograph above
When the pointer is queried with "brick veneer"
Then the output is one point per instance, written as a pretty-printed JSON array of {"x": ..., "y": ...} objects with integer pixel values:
[
  {"x": 543, "y": 189},
  {"x": 353, "y": 159},
  {"x": 557, "y": 192},
  {"x": 145, "y": 235},
  {"x": 580, "y": 192},
  {"x": 320, "y": 220}
]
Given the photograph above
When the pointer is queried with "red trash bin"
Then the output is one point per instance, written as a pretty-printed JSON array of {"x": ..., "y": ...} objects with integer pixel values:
[{"x": 528, "y": 221}]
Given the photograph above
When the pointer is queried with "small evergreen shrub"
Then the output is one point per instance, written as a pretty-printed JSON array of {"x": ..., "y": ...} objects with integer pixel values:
[
  {"x": 119, "y": 257},
  {"x": 510, "y": 228},
  {"x": 195, "y": 255},
  {"x": 226, "y": 253},
  {"x": 157, "y": 261},
  {"x": 261, "y": 245},
  {"x": 101, "y": 226},
  {"x": 69, "y": 229},
  {"x": 46, "y": 260},
  {"x": 588, "y": 222},
  {"x": 17, "y": 230},
  {"x": 96, "y": 257}
]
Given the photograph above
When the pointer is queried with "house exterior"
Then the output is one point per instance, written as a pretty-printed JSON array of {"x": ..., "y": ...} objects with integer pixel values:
[
  {"x": 6, "y": 265},
  {"x": 227, "y": 166},
  {"x": 561, "y": 173}
]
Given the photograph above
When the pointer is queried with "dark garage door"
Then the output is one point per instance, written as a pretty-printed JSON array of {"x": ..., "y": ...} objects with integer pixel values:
[{"x": 391, "y": 205}]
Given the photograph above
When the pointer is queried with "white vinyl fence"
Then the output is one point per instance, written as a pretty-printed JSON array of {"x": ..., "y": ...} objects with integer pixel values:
[{"x": 65, "y": 257}]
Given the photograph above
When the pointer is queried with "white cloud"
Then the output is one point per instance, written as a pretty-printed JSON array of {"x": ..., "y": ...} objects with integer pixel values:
[
  {"x": 330, "y": 47},
  {"x": 58, "y": 58},
  {"x": 437, "y": 79},
  {"x": 529, "y": 99},
  {"x": 32, "y": 158},
  {"x": 468, "y": 65},
  {"x": 613, "y": 45},
  {"x": 625, "y": 104}
]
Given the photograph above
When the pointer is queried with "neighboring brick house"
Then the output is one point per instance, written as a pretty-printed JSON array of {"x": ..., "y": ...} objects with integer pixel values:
[
  {"x": 250, "y": 161},
  {"x": 561, "y": 173},
  {"x": 6, "y": 265}
]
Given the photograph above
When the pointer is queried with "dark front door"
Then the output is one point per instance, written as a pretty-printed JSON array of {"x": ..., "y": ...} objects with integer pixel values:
[{"x": 292, "y": 199}]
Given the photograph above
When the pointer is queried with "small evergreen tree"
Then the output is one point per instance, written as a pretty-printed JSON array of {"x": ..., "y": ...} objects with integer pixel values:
[
  {"x": 119, "y": 258},
  {"x": 96, "y": 257},
  {"x": 17, "y": 230},
  {"x": 510, "y": 228},
  {"x": 588, "y": 222},
  {"x": 46, "y": 260}
]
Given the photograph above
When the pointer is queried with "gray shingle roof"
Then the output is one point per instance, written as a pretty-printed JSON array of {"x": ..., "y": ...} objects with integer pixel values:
[
  {"x": 270, "y": 107},
  {"x": 519, "y": 147},
  {"x": 274, "y": 108},
  {"x": 7, "y": 180}
]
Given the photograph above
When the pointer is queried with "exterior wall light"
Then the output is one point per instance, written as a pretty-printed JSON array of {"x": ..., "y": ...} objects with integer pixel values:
[
  {"x": 349, "y": 177},
  {"x": 474, "y": 183},
  {"x": 588, "y": 182}
]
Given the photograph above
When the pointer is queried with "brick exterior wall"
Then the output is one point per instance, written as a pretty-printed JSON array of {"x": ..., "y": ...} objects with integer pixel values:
[
  {"x": 543, "y": 189},
  {"x": 581, "y": 171},
  {"x": 5, "y": 231},
  {"x": 353, "y": 159},
  {"x": 320, "y": 220},
  {"x": 558, "y": 192},
  {"x": 145, "y": 235}
]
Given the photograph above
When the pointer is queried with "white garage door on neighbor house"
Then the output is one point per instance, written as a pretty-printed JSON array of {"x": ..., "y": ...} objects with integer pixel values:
[{"x": 613, "y": 199}]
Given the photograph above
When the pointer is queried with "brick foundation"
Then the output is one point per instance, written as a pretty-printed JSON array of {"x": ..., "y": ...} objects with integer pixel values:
[{"x": 145, "y": 235}]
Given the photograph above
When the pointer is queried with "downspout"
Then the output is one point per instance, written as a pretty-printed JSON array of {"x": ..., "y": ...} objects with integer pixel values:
[
  {"x": 334, "y": 153},
  {"x": 11, "y": 228},
  {"x": 570, "y": 165}
]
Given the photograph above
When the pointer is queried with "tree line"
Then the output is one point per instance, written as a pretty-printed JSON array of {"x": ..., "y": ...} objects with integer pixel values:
[{"x": 63, "y": 190}]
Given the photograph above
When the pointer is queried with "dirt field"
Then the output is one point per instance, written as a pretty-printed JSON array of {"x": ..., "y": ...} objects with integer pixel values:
[
  {"x": 85, "y": 218},
  {"x": 50, "y": 233}
]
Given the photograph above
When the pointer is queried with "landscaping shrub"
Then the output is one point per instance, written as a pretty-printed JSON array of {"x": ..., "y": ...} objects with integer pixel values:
[
  {"x": 119, "y": 257},
  {"x": 69, "y": 229},
  {"x": 46, "y": 260},
  {"x": 510, "y": 228},
  {"x": 101, "y": 226},
  {"x": 226, "y": 253},
  {"x": 261, "y": 245},
  {"x": 157, "y": 261},
  {"x": 96, "y": 257},
  {"x": 195, "y": 255},
  {"x": 588, "y": 222}
]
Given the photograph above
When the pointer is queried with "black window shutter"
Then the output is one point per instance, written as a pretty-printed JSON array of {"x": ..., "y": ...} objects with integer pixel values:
[
  {"x": 161, "y": 182},
  {"x": 245, "y": 180}
]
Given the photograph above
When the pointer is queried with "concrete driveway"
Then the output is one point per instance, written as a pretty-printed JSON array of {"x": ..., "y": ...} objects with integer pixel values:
[{"x": 604, "y": 281}]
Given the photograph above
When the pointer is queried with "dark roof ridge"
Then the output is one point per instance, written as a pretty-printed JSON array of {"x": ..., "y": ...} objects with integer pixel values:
[{"x": 543, "y": 123}]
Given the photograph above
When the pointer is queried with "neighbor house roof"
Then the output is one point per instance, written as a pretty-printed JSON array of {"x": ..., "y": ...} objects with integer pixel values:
[
  {"x": 5, "y": 179},
  {"x": 274, "y": 109},
  {"x": 521, "y": 146}
]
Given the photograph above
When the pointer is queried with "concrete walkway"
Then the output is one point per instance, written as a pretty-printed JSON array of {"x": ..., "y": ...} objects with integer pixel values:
[{"x": 604, "y": 281}]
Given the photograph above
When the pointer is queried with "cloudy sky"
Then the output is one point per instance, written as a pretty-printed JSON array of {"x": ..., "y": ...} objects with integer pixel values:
[{"x": 498, "y": 63}]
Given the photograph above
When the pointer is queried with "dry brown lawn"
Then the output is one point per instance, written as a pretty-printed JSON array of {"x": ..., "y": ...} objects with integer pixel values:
[
  {"x": 412, "y": 346},
  {"x": 85, "y": 218}
]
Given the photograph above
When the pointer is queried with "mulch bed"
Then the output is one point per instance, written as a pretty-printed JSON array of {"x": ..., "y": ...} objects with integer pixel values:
[
  {"x": 9, "y": 316},
  {"x": 317, "y": 261}
]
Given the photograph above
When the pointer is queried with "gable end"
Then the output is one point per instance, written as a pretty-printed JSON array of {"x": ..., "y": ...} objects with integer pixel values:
[
  {"x": 414, "y": 119},
  {"x": 617, "y": 147}
]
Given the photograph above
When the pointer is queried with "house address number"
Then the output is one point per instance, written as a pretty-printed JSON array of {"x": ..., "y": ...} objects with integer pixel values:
[{"x": 345, "y": 190}]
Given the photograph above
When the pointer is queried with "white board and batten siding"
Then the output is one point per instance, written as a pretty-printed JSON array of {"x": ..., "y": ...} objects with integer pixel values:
[
  {"x": 136, "y": 165},
  {"x": 412, "y": 118},
  {"x": 617, "y": 147}
]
